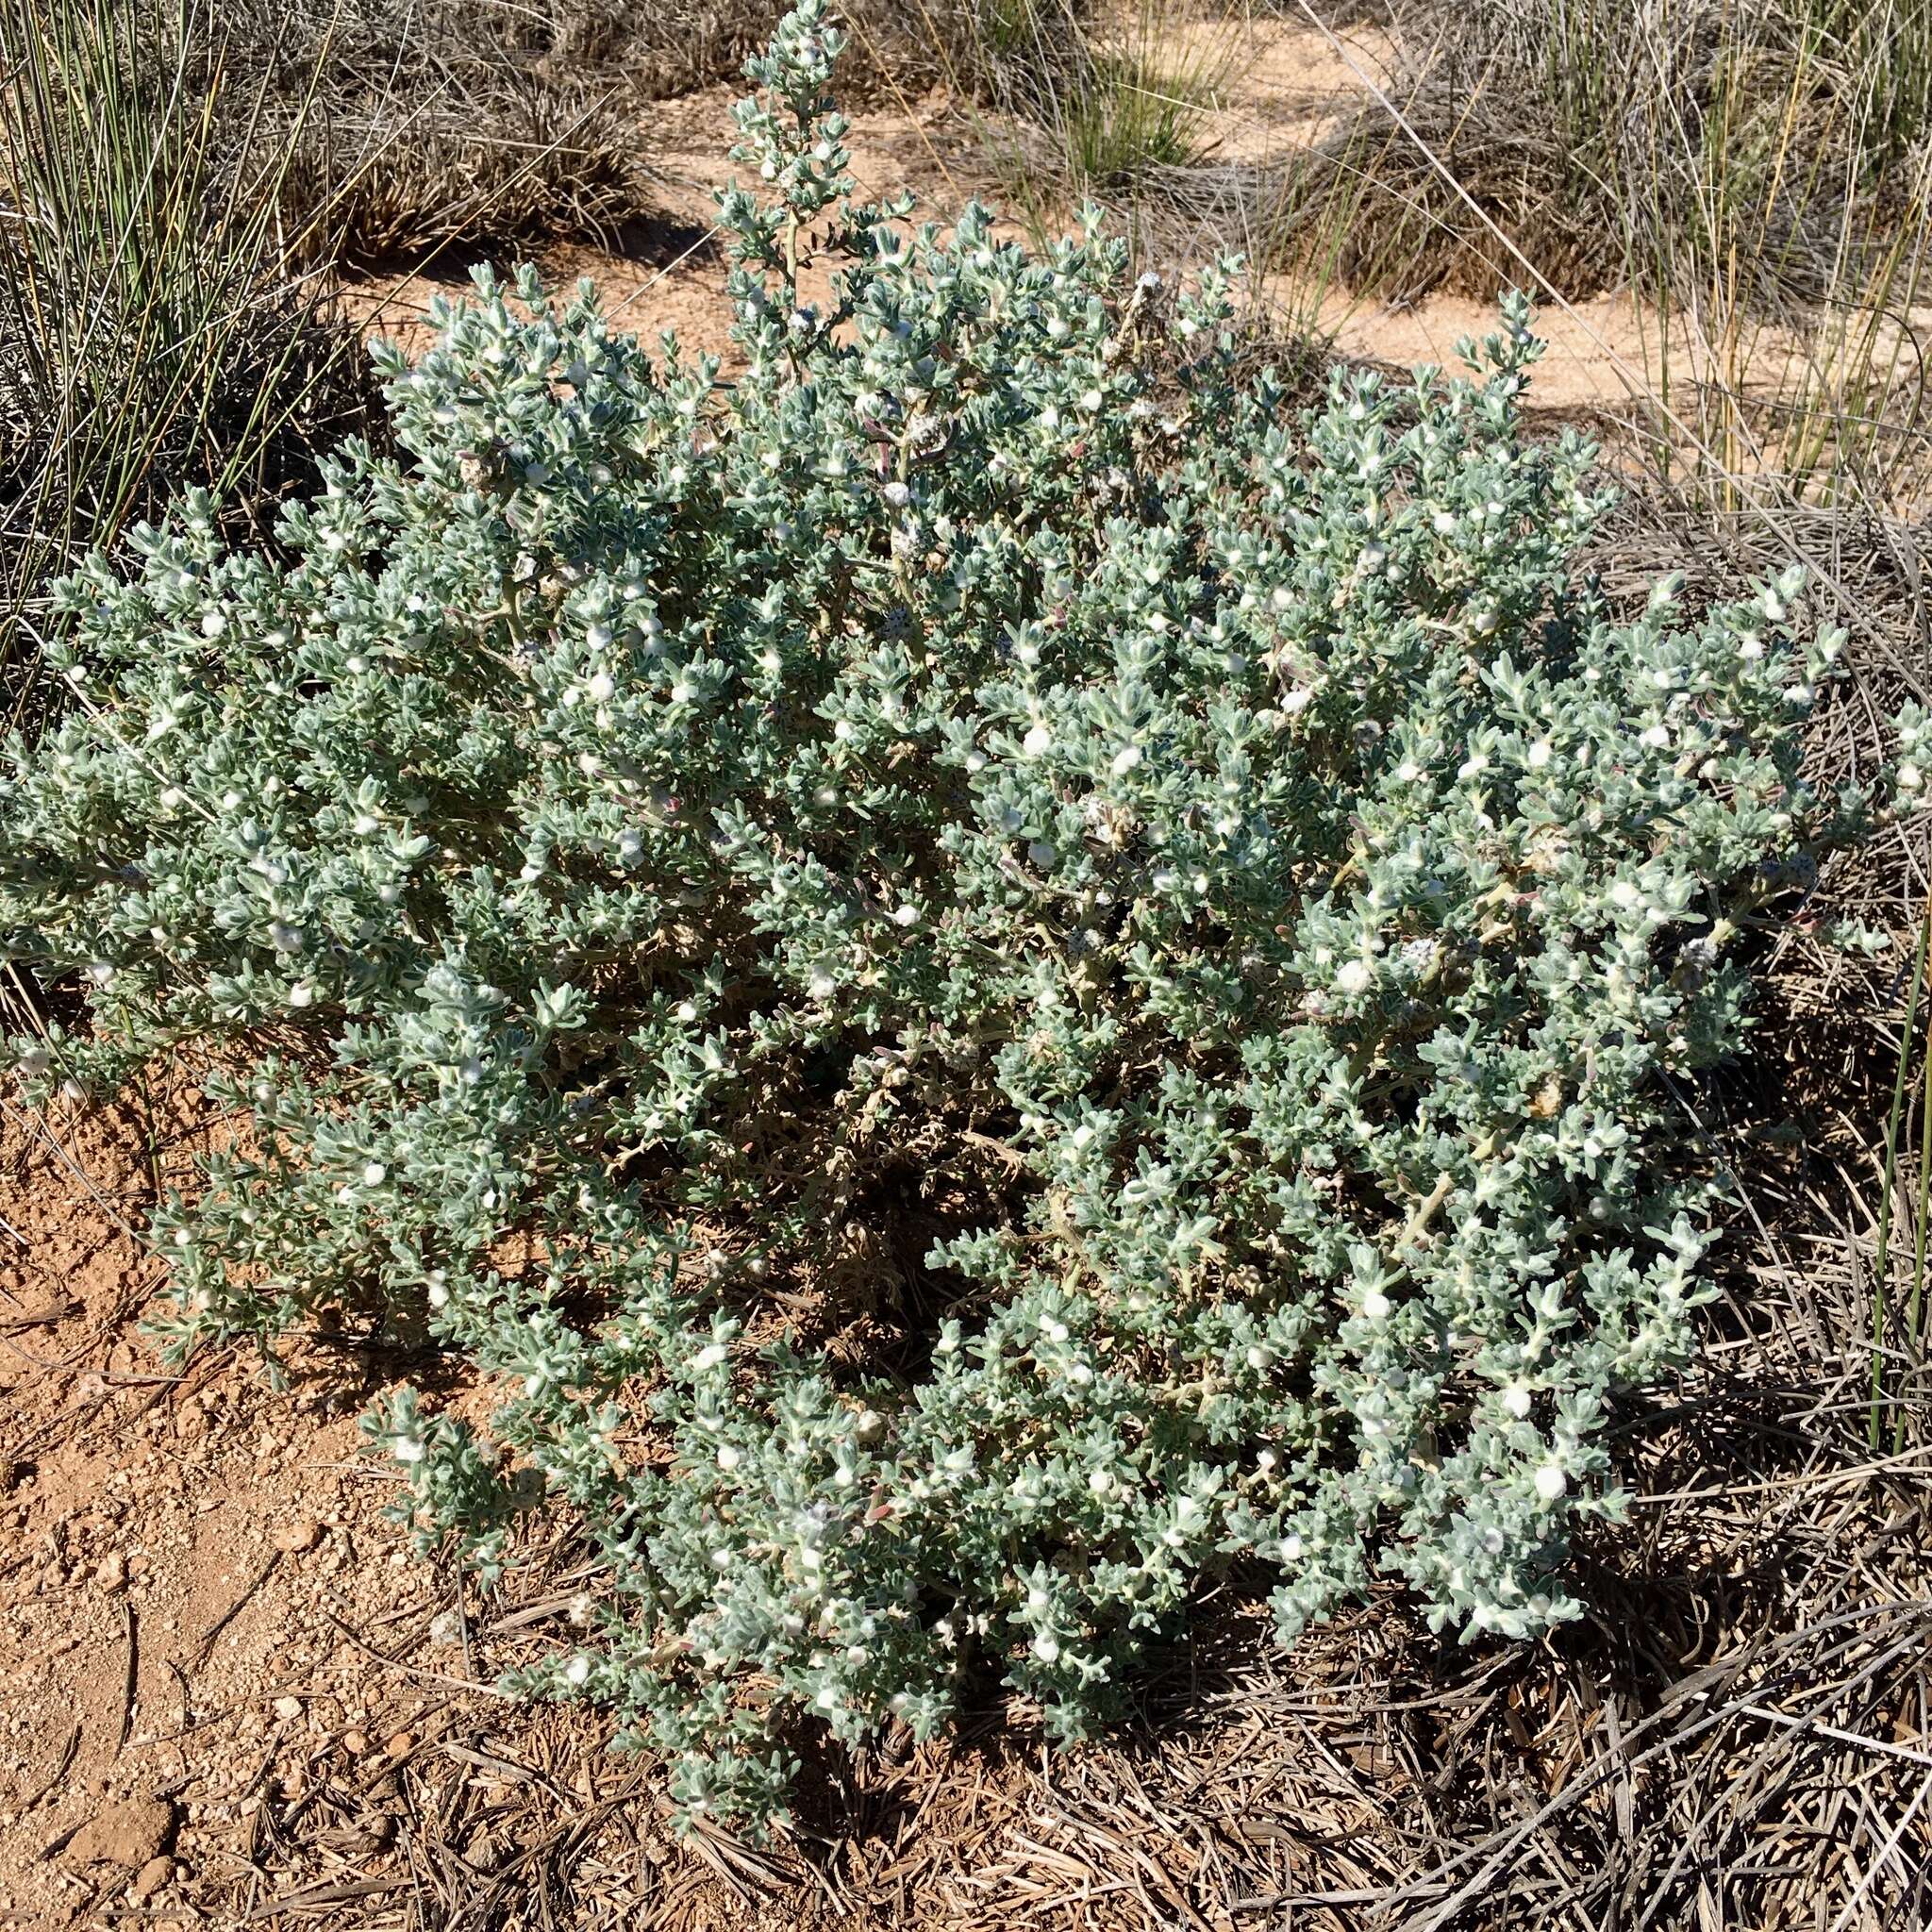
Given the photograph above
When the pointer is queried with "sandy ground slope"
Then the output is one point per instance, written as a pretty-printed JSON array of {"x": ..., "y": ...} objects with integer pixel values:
[{"x": 1270, "y": 89}]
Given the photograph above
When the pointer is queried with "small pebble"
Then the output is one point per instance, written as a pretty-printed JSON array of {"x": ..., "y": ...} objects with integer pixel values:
[
  {"x": 152, "y": 1877},
  {"x": 302, "y": 1534},
  {"x": 133, "y": 1833}
]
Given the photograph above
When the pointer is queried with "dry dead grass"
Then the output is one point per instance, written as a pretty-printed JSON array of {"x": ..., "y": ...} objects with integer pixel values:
[{"x": 492, "y": 122}]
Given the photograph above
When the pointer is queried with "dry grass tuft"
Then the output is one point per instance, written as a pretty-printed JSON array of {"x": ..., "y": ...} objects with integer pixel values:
[
  {"x": 489, "y": 123},
  {"x": 1771, "y": 145},
  {"x": 153, "y": 336},
  {"x": 413, "y": 126}
]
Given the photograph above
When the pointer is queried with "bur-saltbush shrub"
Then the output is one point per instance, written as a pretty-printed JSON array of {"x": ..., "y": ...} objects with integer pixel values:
[{"x": 1240, "y": 865}]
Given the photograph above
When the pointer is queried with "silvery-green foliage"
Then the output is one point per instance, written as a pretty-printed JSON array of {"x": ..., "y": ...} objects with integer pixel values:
[{"x": 987, "y": 731}]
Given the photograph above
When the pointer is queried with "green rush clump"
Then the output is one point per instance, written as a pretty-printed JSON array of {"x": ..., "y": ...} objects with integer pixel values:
[{"x": 1228, "y": 873}]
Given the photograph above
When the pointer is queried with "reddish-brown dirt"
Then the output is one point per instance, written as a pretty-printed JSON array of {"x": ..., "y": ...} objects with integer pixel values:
[
  {"x": 228, "y": 1686},
  {"x": 192, "y": 1564}
]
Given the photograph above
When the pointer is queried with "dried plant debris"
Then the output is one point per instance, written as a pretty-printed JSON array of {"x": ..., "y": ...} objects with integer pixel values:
[{"x": 482, "y": 123}]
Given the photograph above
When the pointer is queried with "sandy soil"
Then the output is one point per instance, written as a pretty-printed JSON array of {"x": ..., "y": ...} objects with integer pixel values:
[
  {"x": 1270, "y": 89},
  {"x": 193, "y": 1570},
  {"x": 227, "y": 1688},
  {"x": 671, "y": 275}
]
